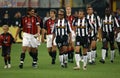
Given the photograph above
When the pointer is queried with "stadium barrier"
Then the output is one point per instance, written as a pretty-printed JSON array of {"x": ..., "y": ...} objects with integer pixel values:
[{"x": 13, "y": 30}]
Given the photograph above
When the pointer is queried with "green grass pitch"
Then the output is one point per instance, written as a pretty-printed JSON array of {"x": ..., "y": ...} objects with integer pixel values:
[{"x": 46, "y": 70}]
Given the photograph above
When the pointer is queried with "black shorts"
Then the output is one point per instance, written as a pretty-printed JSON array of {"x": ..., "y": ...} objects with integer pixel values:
[
  {"x": 81, "y": 41},
  {"x": 6, "y": 50},
  {"x": 108, "y": 37},
  {"x": 62, "y": 41},
  {"x": 92, "y": 38}
]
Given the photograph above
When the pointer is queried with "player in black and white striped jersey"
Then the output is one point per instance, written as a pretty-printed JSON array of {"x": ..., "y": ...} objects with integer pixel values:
[
  {"x": 95, "y": 21},
  {"x": 82, "y": 26},
  {"x": 62, "y": 33},
  {"x": 109, "y": 22}
]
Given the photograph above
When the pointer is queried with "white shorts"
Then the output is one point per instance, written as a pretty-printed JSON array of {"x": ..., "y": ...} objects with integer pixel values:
[
  {"x": 29, "y": 40},
  {"x": 73, "y": 35},
  {"x": 49, "y": 41}
]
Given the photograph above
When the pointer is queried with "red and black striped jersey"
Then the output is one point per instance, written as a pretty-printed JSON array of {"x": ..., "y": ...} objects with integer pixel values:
[
  {"x": 70, "y": 20},
  {"x": 29, "y": 24},
  {"x": 49, "y": 25},
  {"x": 6, "y": 39}
]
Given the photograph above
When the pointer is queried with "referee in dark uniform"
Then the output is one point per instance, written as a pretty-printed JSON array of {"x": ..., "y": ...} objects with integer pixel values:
[
  {"x": 109, "y": 22},
  {"x": 62, "y": 33}
]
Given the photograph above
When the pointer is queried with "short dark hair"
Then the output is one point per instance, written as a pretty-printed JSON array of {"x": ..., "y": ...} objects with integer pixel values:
[
  {"x": 81, "y": 10},
  {"x": 53, "y": 10},
  {"x": 62, "y": 10},
  {"x": 30, "y": 8}
]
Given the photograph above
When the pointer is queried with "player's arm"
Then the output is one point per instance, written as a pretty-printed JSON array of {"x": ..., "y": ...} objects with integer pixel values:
[
  {"x": 117, "y": 27},
  {"x": 0, "y": 42},
  {"x": 44, "y": 30},
  {"x": 17, "y": 32},
  {"x": 69, "y": 32},
  {"x": 53, "y": 37}
]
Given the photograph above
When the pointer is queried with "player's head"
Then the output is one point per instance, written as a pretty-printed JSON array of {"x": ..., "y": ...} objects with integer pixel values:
[
  {"x": 53, "y": 13},
  {"x": 81, "y": 13},
  {"x": 31, "y": 11},
  {"x": 107, "y": 11},
  {"x": 61, "y": 13},
  {"x": 90, "y": 10},
  {"x": 5, "y": 28},
  {"x": 68, "y": 10}
]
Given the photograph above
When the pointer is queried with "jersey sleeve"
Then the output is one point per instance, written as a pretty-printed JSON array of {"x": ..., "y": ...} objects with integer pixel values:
[
  {"x": 12, "y": 39},
  {"x": 116, "y": 22}
]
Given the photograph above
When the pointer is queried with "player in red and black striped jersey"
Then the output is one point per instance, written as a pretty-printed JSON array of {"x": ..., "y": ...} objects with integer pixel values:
[
  {"x": 70, "y": 19},
  {"x": 49, "y": 25},
  {"x": 31, "y": 27},
  {"x": 6, "y": 40}
]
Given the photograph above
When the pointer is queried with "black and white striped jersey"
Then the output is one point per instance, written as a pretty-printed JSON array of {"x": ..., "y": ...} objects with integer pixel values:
[
  {"x": 61, "y": 27},
  {"x": 108, "y": 23},
  {"x": 82, "y": 27},
  {"x": 95, "y": 21}
]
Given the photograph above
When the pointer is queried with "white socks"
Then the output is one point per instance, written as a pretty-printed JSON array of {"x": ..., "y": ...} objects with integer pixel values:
[
  {"x": 65, "y": 57},
  {"x": 61, "y": 59},
  {"x": 89, "y": 55},
  {"x": 77, "y": 59},
  {"x": 85, "y": 60},
  {"x": 103, "y": 54},
  {"x": 93, "y": 54},
  {"x": 112, "y": 55}
]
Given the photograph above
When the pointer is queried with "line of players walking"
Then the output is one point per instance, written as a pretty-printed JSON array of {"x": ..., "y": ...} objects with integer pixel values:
[{"x": 68, "y": 34}]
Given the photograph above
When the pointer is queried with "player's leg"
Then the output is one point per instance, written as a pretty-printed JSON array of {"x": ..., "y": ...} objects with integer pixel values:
[
  {"x": 85, "y": 58},
  {"x": 22, "y": 56},
  {"x": 61, "y": 54},
  {"x": 85, "y": 50},
  {"x": 112, "y": 49},
  {"x": 34, "y": 50},
  {"x": 35, "y": 57},
  {"x": 5, "y": 61},
  {"x": 4, "y": 54},
  {"x": 104, "y": 43},
  {"x": 93, "y": 50},
  {"x": 59, "y": 46},
  {"x": 25, "y": 45},
  {"x": 77, "y": 58},
  {"x": 72, "y": 47},
  {"x": 71, "y": 52},
  {"x": 49, "y": 45},
  {"x": 54, "y": 53},
  {"x": 9, "y": 57}
]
